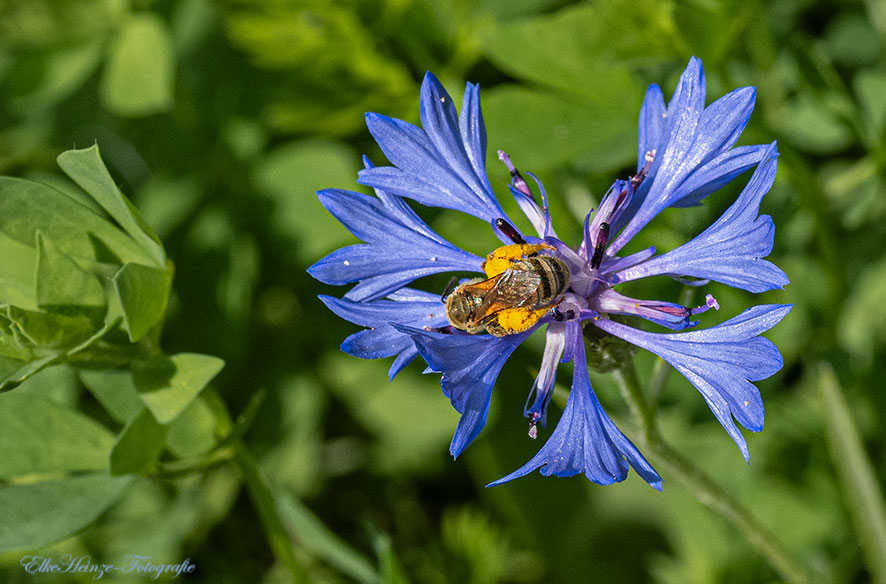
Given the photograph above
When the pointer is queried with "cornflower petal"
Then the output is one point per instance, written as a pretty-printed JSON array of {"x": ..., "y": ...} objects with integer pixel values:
[
  {"x": 685, "y": 152},
  {"x": 413, "y": 307},
  {"x": 470, "y": 365},
  {"x": 473, "y": 132},
  {"x": 720, "y": 362},
  {"x": 693, "y": 160},
  {"x": 731, "y": 249},
  {"x": 653, "y": 121},
  {"x": 400, "y": 247},
  {"x": 585, "y": 439},
  {"x": 442, "y": 165}
]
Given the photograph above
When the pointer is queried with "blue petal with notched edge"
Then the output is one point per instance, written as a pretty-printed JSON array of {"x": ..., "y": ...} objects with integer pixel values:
[
  {"x": 470, "y": 365},
  {"x": 721, "y": 362},
  {"x": 400, "y": 247},
  {"x": 473, "y": 132},
  {"x": 412, "y": 307},
  {"x": 732, "y": 249},
  {"x": 586, "y": 440},
  {"x": 441, "y": 164},
  {"x": 692, "y": 158}
]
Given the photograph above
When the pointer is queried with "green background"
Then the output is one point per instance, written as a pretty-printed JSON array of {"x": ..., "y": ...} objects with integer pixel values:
[{"x": 219, "y": 120}]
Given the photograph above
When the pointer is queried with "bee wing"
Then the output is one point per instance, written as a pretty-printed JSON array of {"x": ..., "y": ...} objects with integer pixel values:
[{"x": 511, "y": 288}]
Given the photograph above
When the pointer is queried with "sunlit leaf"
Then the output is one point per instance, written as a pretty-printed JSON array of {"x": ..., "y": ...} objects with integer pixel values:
[
  {"x": 53, "y": 331},
  {"x": 17, "y": 273},
  {"x": 168, "y": 384},
  {"x": 27, "y": 207},
  {"x": 574, "y": 50},
  {"x": 139, "y": 75},
  {"x": 63, "y": 284},
  {"x": 542, "y": 130},
  {"x": 86, "y": 168}
]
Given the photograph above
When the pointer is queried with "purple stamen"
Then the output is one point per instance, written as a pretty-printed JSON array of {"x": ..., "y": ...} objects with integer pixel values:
[
  {"x": 509, "y": 230},
  {"x": 516, "y": 178},
  {"x": 638, "y": 178},
  {"x": 600, "y": 245}
]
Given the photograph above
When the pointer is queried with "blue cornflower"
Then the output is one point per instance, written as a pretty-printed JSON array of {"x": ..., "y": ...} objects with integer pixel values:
[{"x": 685, "y": 153}]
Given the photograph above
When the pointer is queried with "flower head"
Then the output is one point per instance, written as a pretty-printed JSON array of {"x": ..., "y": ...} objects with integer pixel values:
[{"x": 686, "y": 152}]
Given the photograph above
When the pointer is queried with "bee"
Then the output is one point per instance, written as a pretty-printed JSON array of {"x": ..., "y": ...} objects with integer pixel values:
[{"x": 522, "y": 286}]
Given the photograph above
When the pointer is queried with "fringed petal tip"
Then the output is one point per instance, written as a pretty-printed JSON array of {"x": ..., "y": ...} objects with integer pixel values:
[{"x": 586, "y": 440}]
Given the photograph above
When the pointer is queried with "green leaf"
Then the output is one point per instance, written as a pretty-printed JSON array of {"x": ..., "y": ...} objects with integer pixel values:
[
  {"x": 51, "y": 331},
  {"x": 862, "y": 326},
  {"x": 313, "y": 165},
  {"x": 116, "y": 391},
  {"x": 38, "y": 514},
  {"x": 391, "y": 572},
  {"x": 856, "y": 473},
  {"x": 322, "y": 541},
  {"x": 574, "y": 50},
  {"x": 27, "y": 207},
  {"x": 295, "y": 459},
  {"x": 41, "y": 80},
  {"x": 192, "y": 433},
  {"x": 143, "y": 293},
  {"x": 85, "y": 167},
  {"x": 139, "y": 75},
  {"x": 597, "y": 134},
  {"x": 18, "y": 362},
  {"x": 410, "y": 426},
  {"x": 812, "y": 126},
  {"x": 17, "y": 273},
  {"x": 40, "y": 436},
  {"x": 61, "y": 283},
  {"x": 168, "y": 384},
  {"x": 870, "y": 86},
  {"x": 139, "y": 445}
]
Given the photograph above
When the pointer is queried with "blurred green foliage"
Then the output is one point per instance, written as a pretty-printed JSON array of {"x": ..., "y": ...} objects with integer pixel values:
[{"x": 219, "y": 120}]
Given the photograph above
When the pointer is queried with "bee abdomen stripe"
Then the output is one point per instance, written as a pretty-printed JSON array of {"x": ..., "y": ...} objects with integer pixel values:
[{"x": 562, "y": 275}]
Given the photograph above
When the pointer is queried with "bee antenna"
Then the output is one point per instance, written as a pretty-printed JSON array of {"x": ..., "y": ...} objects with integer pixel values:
[
  {"x": 509, "y": 230},
  {"x": 449, "y": 288}
]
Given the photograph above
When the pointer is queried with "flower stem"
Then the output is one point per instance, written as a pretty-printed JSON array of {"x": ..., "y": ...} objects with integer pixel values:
[
  {"x": 704, "y": 488},
  {"x": 264, "y": 503},
  {"x": 259, "y": 492}
]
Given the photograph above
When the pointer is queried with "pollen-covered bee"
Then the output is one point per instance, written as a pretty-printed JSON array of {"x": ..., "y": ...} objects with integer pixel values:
[{"x": 522, "y": 286}]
